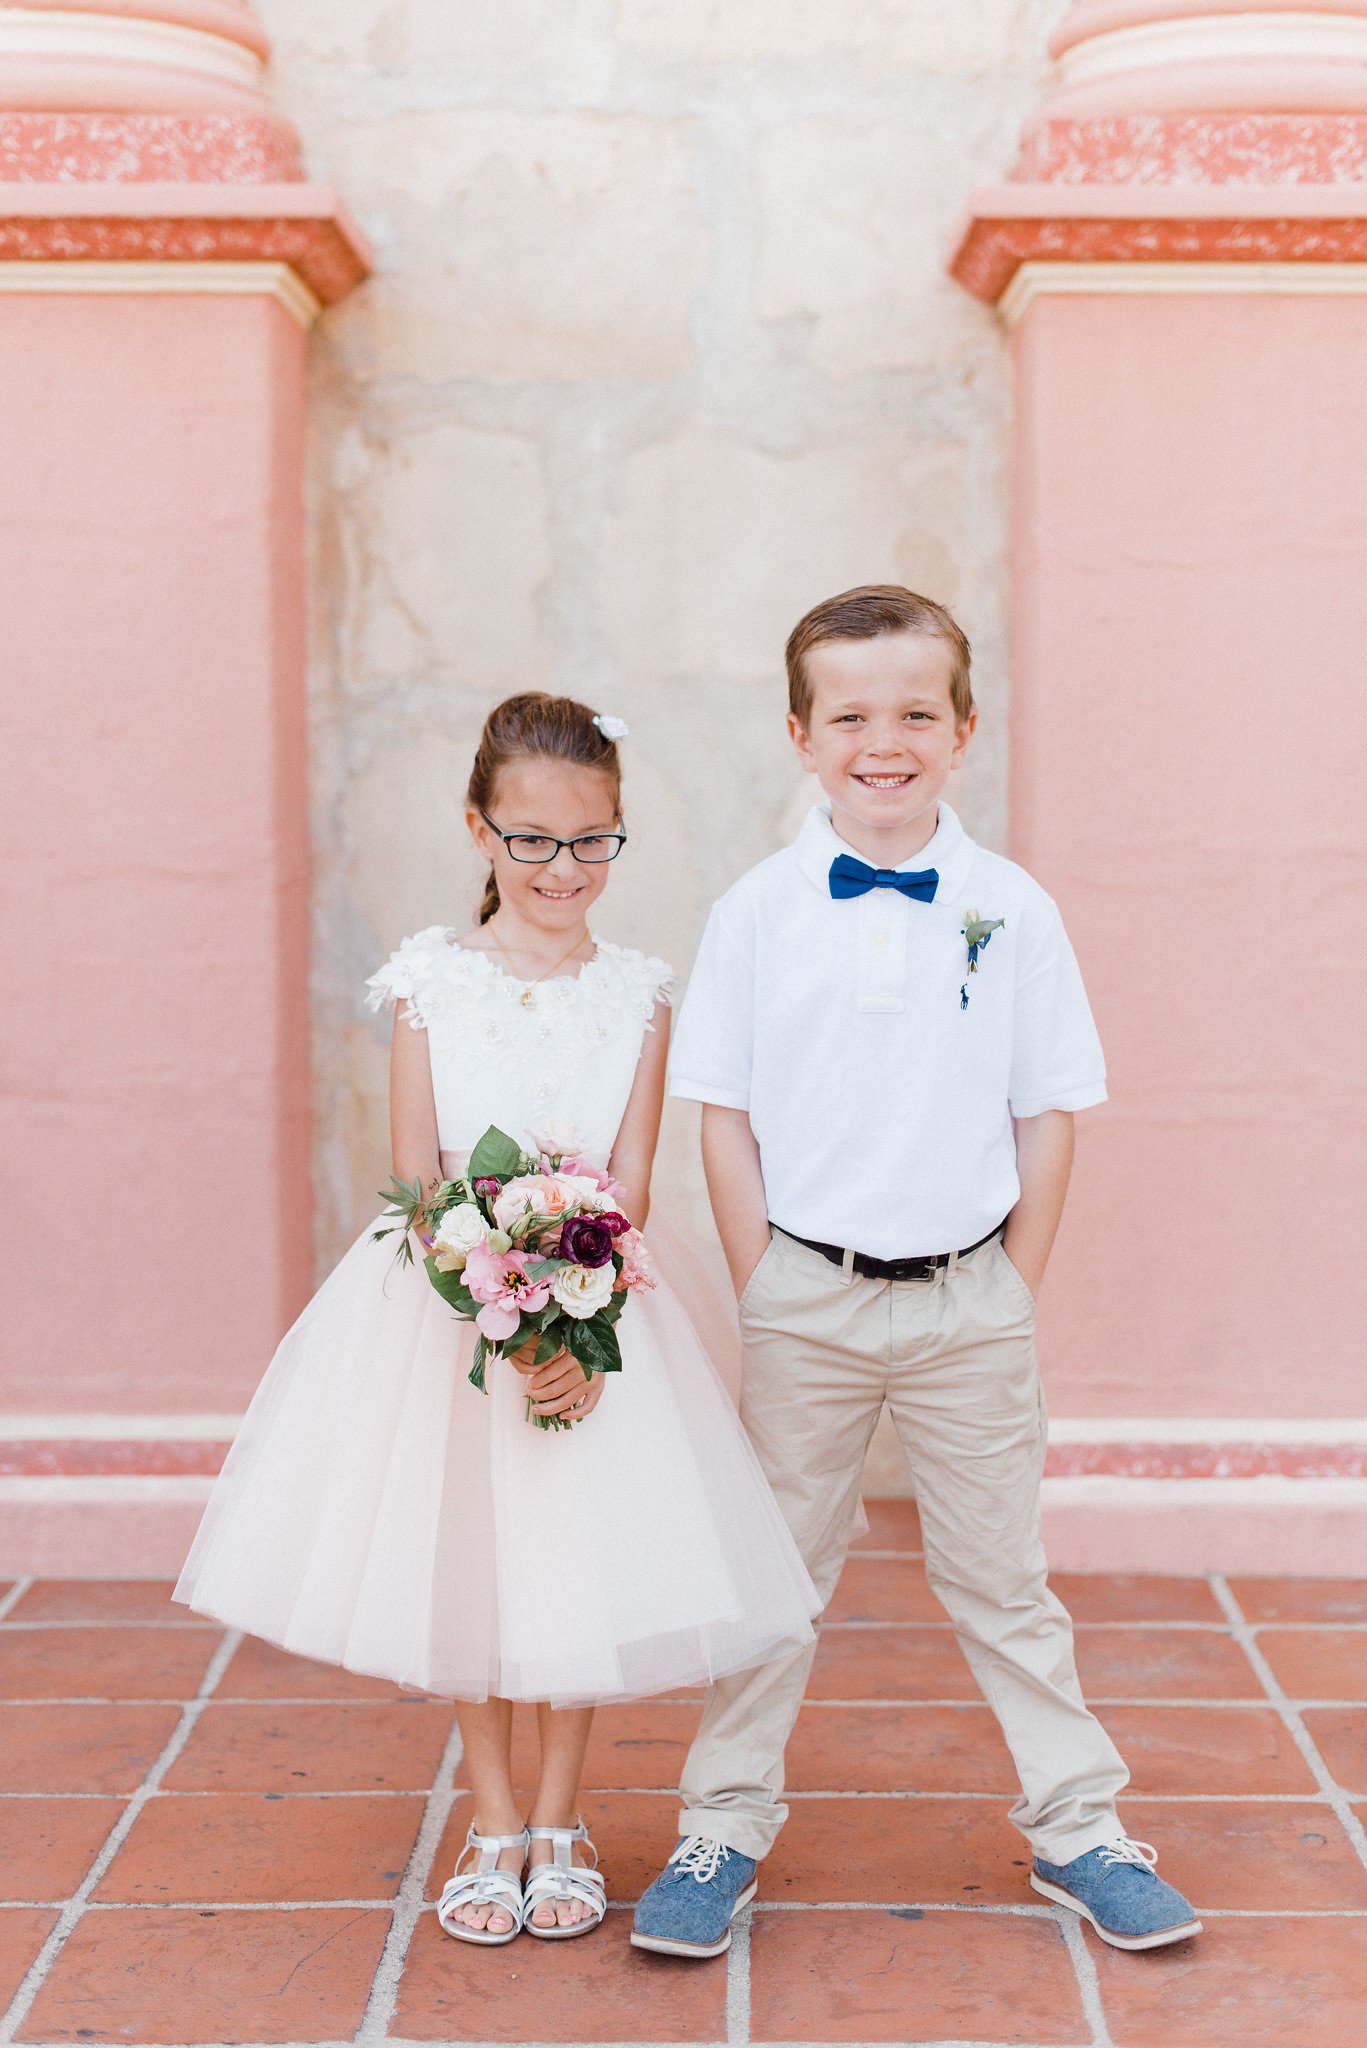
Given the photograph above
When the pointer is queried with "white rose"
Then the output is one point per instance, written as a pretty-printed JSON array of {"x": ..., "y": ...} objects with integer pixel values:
[
  {"x": 583, "y": 1290},
  {"x": 456, "y": 1236}
]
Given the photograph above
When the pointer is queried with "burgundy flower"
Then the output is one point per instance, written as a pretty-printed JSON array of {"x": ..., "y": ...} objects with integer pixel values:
[
  {"x": 486, "y": 1188},
  {"x": 615, "y": 1221},
  {"x": 586, "y": 1240}
]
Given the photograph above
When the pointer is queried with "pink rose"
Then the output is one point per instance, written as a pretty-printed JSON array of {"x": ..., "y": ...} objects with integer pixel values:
[
  {"x": 499, "y": 1280},
  {"x": 636, "y": 1273},
  {"x": 548, "y": 1195}
]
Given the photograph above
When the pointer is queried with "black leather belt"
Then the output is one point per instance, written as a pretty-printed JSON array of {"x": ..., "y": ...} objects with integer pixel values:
[{"x": 870, "y": 1268}]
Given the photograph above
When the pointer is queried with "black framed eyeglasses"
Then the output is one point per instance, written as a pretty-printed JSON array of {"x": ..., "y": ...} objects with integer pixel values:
[{"x": 537, "y": 848}]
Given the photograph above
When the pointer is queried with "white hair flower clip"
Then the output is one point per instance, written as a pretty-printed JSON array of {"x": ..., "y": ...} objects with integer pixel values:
[{"x": 612, "y": 728}]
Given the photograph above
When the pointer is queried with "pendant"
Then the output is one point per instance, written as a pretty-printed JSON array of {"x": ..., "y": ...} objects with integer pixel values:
[{"x": 526, "y": 999}]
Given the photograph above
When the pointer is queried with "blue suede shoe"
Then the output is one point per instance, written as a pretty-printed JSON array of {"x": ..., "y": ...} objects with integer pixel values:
[
  {"x": 1117, "y": 1888},
  {"x": 689, "y": 1909}
]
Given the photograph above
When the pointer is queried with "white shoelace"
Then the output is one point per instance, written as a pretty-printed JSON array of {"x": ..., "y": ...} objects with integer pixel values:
[
  {"x": 700, "y": 1858},
  {"x": 1126, "y": 1851}
]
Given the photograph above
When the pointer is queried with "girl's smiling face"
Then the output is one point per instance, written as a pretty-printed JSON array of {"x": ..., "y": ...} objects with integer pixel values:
[
  {"x": 881, "y": 739},
  {"x": 563, "y": 801}
]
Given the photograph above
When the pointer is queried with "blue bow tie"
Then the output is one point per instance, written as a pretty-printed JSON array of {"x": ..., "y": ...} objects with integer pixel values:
[{"x": 850, "y": 877}]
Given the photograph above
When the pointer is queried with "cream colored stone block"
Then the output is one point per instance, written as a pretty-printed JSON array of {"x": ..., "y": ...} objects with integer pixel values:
[
  {"x": 716, "y": 548},
  {"x": 855, "y": 223},
  {"x": 410, "y": 861},
  {"x": 357, "y": 1141},
  {"x": 420, "y": 34},
  {"x": 447, "y": 530},
  {"x": 521, "y": 246},
  {"x": 932, "y": 35}
]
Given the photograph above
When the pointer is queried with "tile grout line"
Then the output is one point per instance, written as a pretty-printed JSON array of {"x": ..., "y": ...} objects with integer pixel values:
[
  {"x": 1245, "y": 1636},
  {"x": 408, "y": 1901},
  {"x": 1084, "y": 1969},
  {"x": 944, "y": 2041},
  {"x": 851, "y": 1625},
  {"x": 279, "y": 1702},
  {"x": 18, "y": 2009},
  {"x": 951, "y": 1792},
  {"x": 928, "y": 1905},
  {"x": 14, "y": 1596},
  {"x": 738, "y": 1981}
]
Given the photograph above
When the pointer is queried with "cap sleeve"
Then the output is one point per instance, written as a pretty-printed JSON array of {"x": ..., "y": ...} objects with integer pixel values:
[
  {"x": 631, "y": 980},
  {"x": 406, "y": 976},
  {"x": 657, "y": 984}
]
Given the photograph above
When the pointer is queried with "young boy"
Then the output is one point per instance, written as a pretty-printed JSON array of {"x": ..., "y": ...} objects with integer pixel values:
[{"x": 888, "y": 1034}]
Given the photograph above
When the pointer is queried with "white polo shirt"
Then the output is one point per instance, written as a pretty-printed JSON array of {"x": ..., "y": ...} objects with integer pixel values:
[{"x": 881, "y": 1103}]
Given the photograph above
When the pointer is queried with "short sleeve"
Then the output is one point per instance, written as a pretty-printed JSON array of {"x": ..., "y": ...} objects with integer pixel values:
[
  {"x": 714, "y": 1036},
  {"x": 1056, "y": 1061},
  {"x": 406, "y": 976}
]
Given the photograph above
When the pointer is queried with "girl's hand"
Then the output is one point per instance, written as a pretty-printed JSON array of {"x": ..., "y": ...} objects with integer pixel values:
[
  {"x": 559, "y": 1388},
  {"x": 524, "y": 1359}
]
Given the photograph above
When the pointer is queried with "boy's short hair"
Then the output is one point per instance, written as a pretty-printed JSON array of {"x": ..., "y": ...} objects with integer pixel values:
[{"x": 865, "y": 614}]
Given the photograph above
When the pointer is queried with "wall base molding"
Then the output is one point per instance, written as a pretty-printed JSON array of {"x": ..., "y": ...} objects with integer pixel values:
[{"x": 107, "y": 1528}]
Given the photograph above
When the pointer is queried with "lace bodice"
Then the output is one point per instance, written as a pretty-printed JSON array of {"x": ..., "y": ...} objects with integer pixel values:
[{"x": 565, "y": 1062}]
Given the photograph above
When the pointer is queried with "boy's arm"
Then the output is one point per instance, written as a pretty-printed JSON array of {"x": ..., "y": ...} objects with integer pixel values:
[
  {"x": 1044, "y": 1160},
  {"x": 735, "y": 1185}
]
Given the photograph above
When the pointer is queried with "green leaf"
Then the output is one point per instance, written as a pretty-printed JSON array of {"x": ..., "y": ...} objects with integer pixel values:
[
  {"x": 495, "y": 1157},
  {"x": 452, "y": 1289},
  {"x": 593, "y": 1343},
  {"x": 477, "y": 1369},
  {"x": 547, "y": 1348},
  {"x": 530, "y": 1326}
]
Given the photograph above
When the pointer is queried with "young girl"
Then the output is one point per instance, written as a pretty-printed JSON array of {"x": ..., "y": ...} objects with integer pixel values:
[{"x": 379, "y": 1512}]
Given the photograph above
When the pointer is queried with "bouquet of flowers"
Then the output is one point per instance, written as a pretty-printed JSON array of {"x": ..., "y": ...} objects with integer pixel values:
[{"x": 527, "y": 1245}]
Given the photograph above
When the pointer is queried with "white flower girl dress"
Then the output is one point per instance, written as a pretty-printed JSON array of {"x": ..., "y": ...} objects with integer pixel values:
[{"x": 377, "y": 1511}]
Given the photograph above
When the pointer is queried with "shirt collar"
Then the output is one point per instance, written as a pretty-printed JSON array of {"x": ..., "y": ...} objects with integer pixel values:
[{"x": 949, "y": 851}]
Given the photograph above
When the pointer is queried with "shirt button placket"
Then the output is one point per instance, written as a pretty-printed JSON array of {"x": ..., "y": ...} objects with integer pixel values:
[{"x": 882, "y": 950}]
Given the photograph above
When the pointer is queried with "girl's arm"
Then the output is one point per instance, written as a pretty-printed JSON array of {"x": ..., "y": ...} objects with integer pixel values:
[
  {"x": 413, "y": 1142},
  {"x": 1044, "y": 1160},
  {"x": 633, "y": 1155},
  {"x": 560, "y": 1381}
]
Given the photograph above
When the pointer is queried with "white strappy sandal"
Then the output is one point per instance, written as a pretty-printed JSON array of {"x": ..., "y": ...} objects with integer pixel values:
[
  {"x": 484, "y": 1885},
  {"x": 551, "y": 1883}
]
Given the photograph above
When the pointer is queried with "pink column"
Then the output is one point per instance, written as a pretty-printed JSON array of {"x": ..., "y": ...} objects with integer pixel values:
[
  {"x": 1182, "y": 259},
  {"x": 161, "y": 259}
]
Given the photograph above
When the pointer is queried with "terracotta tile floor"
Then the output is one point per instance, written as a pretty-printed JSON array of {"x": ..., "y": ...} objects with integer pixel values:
[{"x": 204, "y": 1842}]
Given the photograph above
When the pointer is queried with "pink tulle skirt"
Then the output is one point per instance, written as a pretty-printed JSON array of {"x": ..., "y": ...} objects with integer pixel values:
[{"x": 378, "y": 1512}]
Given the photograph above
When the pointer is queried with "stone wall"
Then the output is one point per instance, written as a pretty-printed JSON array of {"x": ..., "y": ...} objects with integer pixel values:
[{"x": 661, "y": 350}]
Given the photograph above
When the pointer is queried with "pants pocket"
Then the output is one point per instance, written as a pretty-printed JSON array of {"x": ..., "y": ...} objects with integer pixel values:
[
  {"x": 1015, "y": 1279},
  {"x": 747, "y": 1292}
]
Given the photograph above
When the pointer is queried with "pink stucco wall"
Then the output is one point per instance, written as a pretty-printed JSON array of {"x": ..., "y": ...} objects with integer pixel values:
[
  {"x": 153, "y": 1121},
  {"x": 1188, "y": 729}
]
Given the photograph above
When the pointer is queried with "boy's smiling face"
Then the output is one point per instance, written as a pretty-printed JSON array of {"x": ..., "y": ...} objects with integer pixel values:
[{"x": 881, "y": 738}]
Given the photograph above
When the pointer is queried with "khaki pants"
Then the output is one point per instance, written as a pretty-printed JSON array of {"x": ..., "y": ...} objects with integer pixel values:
[{"x": 954, "y": 1358}]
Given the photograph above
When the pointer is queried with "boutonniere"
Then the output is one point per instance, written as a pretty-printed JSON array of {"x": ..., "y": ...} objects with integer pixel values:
[{"x": 977, "y": 933}]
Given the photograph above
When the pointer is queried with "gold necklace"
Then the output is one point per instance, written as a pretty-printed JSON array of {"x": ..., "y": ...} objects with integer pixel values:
[{"x": 527, "y": 986}]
